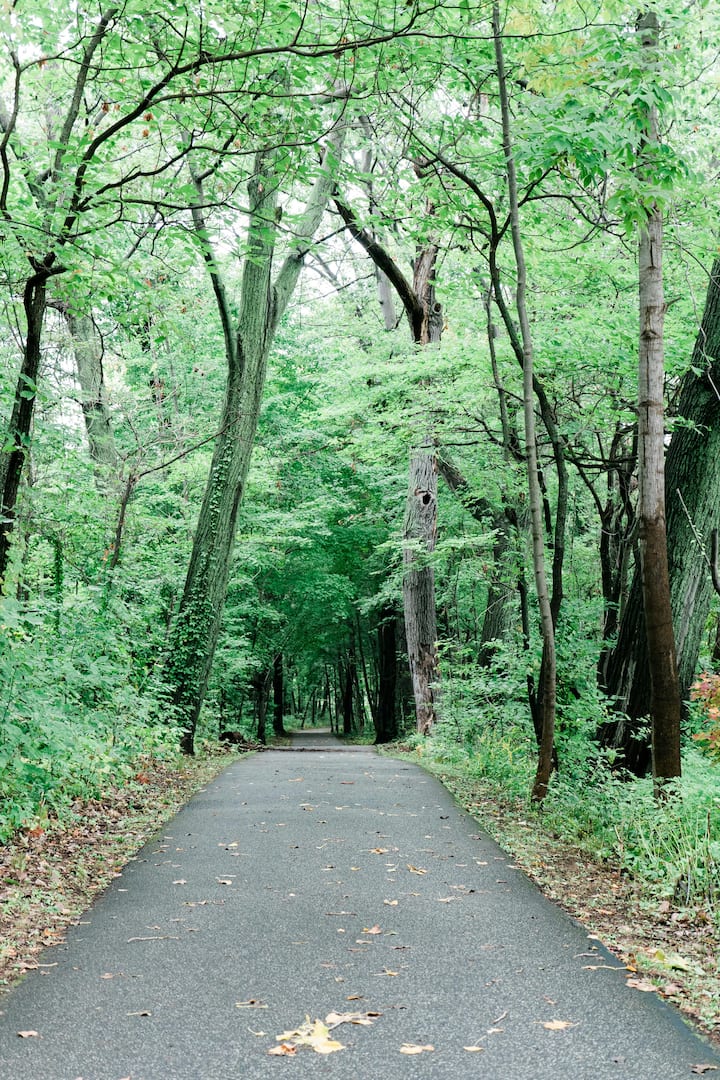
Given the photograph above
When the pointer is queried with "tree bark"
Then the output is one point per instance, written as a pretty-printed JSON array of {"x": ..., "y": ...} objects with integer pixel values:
[
  {"x": 262, "y": 303},
  {"x": 664, "y": 685},
  {"x": 260, "y": 687},
  {"x": 278, "y": 681},
  {"x": 692, "y": 480},
  {"x": 386, "y": 718},
  {"x": 19, "y": 429},
  {"x": 88, "y": 354},
  {"x": 419, "y": 534}
]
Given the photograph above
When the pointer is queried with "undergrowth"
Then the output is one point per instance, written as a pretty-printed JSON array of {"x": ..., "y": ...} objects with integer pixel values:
[
  {"x": 79, "y": 712},
  {"x": 672, "y": 848}
]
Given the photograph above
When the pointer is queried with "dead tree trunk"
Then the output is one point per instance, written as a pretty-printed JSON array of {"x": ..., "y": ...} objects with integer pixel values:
[{"x": 419, "y": 535}]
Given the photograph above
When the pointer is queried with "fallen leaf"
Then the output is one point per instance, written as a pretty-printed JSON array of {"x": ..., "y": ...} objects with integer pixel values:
[
  {"x": 28, "y": 1034},
  {"x": 315, "y": 1034},
  {"x": 558, "y": 1025},
  {"x": 142, "y": 1012},
  {"x": 296, "y": 780},
  {"x": 363, "y": 1019},
  {"x": 641, "y": 984},
  {"x": 180, "y": 881},
  {"x": 251, "y": 1003},
  {"x": 223, "y": 881},
  {"x": 387, "y": 971},
  {"x": 372, "y": 930},
  {"x": 473, "y": 1049},
  {"x": 415, "y": 869},
  {"x": 379, "y": 850},
  {"x": 390, "y": 903},
  {"x": 699, "y": 1070},
  {"x": 415, "y": 1048},
  {"x": 287, "y": 1049}
]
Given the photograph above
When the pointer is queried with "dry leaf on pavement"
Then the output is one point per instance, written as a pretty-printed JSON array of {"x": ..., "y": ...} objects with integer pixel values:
[{"x": 415, "y": 1048}]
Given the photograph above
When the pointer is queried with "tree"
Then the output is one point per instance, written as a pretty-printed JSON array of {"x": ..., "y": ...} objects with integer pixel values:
[
  {"x": 665, "y": 690},
  {"x": 261, "y": 304},
  {"x": 424, "y": 315},
  {"x": 128, "y": 96},
  {"x": 691, "y": 482},
  {"x": 548, "y": 683}
]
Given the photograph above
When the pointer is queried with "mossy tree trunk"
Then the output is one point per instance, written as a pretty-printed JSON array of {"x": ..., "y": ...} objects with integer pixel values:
[{"x": 247, "y": 344}]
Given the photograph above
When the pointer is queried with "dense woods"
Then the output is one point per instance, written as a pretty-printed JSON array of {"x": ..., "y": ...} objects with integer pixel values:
[{"x": 357, "y": 360}]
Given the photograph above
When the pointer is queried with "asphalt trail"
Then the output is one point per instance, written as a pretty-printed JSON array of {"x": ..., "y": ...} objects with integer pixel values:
[{"x": 333, "y": 880}]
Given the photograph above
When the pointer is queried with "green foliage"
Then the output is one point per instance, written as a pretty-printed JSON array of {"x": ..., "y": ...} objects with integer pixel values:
[
  {"x": 318, "y": 553},
  {"x": 672, "y": 849},
  {"x": 74, "y": 713}
]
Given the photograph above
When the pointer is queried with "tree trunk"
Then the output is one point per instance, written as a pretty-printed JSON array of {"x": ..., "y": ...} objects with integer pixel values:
[
  {"x": 692, "y": 481},
  {"x": 260, "y": 687},
  {"x": 262, "y": 303},
  {"x": 18, "y": 431},
  {"x": 278, "y": 682},
  {"x": 425, "y": 319},
  {"x": 346, "y": 679},
  {"x": 547, "y": 614},
  {"x": 419, "y": 585},
  {"x": 665, "y": 704},
  {"x": 664, "y": 685},
  {"x": 386, "y": 717},
  {"x": 88, "y": 353}
]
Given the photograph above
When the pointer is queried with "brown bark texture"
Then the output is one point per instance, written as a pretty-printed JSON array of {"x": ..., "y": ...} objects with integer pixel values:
[
  {"x": 692, "y": 481},
  {"x": 664, "y": 684}
]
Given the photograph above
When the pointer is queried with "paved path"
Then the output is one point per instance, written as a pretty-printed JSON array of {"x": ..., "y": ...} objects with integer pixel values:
[{"x": 298, "y": 884}]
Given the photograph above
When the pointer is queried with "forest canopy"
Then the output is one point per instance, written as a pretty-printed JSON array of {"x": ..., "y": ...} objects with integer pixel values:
[{"x": 361, "y": 366}]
